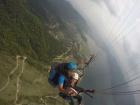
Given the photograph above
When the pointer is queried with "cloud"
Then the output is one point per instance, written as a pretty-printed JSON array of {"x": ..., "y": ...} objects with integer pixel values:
[{"x": 114, "y": 26}]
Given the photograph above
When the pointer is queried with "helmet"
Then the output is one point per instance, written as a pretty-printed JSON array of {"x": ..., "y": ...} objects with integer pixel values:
[
  {"x": 71, "y": 66},
  {"x": 76, "y": 76}
]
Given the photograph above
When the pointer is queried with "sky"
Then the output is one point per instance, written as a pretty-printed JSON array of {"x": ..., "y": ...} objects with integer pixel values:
[{"x": 115, "y": 37}]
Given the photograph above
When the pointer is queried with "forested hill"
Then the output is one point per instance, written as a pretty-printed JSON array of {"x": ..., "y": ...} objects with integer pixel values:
[
  {"x": 39, "y": 30},
  {"x": 34, "y": 27}
]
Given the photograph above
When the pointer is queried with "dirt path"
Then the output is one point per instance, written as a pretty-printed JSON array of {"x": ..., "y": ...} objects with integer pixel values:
[
  {"x": 20, "y": 68},
  {"x": 10, "y": 74},
  {"x": 18, "y": 85}
]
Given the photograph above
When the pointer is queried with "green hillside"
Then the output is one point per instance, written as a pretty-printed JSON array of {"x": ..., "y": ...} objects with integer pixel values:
[
  {"x": 37, "y": 30},
  {"x": 24, "y": 33}
]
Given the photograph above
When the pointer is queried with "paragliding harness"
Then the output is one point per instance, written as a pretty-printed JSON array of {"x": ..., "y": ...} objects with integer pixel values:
[
  {"x": 78, "y": 97},
  {"x": 88, "y": 92}
]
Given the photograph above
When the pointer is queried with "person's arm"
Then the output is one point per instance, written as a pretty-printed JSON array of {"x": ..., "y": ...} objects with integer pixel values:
[
  {"x": 61, "y": 80},
  {"x": 90, "y": 59},
  {"x": 61, "y": 89}
]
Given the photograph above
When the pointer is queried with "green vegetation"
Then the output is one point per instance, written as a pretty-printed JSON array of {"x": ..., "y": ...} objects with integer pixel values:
[
  {"x": 23, "y": 33},
  {"x": 33, "y": 28}
]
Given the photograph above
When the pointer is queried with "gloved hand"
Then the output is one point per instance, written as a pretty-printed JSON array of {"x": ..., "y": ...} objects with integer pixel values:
[{"x": 71, "y": 91}]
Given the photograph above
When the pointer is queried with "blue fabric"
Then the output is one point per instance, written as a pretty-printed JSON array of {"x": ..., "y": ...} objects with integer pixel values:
[
  {"x": 51, "y": 77},
  {"x": 61, "y": 79},
  {"x": 71, "y": 66},
  {"x": 56, "y": 78}
]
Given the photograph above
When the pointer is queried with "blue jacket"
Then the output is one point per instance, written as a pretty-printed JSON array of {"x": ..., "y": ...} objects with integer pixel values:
[{"x": 56, "y": 78}]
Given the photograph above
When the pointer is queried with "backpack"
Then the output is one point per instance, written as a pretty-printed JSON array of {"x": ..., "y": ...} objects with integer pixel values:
[
  {"x": 53, "y": 77},
  {"x": 54, "y": 74}
]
